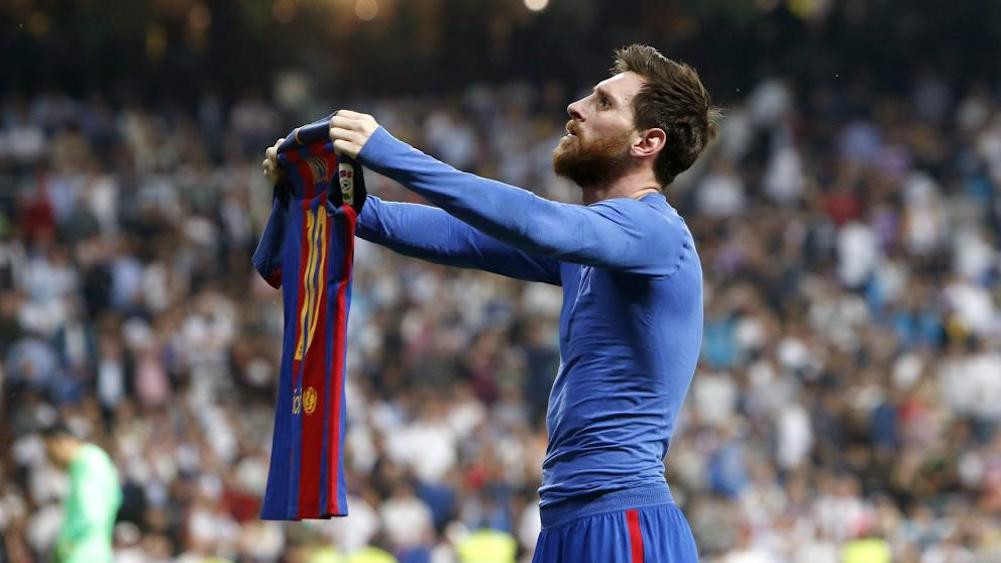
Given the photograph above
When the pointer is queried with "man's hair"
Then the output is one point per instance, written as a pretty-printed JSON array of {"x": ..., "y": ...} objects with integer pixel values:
[
  {"x": 56, "y": 429},
  {"x": 673, "y": 99}
]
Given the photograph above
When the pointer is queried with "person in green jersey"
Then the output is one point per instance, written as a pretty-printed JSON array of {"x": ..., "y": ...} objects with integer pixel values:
[{"x": 90, "y": 508}]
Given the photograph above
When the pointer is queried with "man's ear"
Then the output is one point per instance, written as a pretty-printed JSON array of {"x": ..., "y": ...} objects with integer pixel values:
[{"x": 649, "y": 143}]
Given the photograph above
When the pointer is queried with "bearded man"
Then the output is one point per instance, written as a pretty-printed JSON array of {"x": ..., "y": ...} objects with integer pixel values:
[{"x": 631, "y": 321}]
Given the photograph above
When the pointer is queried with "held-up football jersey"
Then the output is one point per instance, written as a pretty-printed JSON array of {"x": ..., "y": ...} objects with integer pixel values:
[{"x": 307, "y": 250}]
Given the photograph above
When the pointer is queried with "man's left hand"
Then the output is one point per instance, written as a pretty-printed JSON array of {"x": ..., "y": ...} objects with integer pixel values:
[{"x": 350, "y": 130}]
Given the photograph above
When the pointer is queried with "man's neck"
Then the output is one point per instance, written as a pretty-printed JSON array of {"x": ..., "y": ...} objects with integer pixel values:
[{"x": 633, "y": 184}]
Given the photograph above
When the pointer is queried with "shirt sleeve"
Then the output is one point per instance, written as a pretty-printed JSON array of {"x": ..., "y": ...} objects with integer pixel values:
[
  {"x": 619, "y": 234},
  {"x": 432, "y": 234}
]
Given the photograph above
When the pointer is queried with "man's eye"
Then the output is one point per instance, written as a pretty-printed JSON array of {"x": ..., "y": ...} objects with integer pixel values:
[{"x": 603, "y": 102}]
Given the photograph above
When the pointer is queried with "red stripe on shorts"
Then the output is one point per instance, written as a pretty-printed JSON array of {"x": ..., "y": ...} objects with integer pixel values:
[{"x": 635, "y": 536}]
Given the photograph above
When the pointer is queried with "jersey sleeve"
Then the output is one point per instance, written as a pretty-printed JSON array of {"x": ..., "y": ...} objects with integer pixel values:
[
  {"x": 267, "y": 258},
  {"x": 619, "y": 234},
  {"x": 432, "y": 234}
]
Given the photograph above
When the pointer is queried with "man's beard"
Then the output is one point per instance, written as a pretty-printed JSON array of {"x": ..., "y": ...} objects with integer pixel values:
[{"x": 592, "y": 163}]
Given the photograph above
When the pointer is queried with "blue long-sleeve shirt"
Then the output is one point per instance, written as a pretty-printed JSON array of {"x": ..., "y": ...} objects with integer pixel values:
[{"x": 630, "y": 325}]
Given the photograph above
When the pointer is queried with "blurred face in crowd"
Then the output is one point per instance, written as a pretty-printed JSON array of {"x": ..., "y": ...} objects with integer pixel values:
[{"x": 597, "y": 148}]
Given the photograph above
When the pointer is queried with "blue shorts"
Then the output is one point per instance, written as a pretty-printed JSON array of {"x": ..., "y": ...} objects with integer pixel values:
[{"x": 652, "y": 534}]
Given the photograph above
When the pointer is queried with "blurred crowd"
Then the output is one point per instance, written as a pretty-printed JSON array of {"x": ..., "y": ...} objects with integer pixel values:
[{"x": 847, "y": 403}]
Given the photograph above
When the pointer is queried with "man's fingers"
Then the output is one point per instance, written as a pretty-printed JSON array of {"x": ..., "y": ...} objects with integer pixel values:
[
  {"x": 272, "y": 151},
  {"x": 352, "y": 123},
  {"x": 349, "y": 113},
  {"x": 346, "y": 134},
  {"x": 270, "y": 163},
  {"x": 347, "y": 147}
]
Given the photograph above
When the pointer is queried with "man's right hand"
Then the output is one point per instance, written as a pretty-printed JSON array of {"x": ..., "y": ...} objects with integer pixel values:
[{"x": 270, "y": 163}]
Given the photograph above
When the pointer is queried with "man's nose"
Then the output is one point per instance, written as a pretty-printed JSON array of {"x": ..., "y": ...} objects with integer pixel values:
[{"x": 574, "y": 111}]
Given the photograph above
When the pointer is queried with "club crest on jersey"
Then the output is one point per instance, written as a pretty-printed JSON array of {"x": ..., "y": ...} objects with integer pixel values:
[{"x": 309, "y": 400}]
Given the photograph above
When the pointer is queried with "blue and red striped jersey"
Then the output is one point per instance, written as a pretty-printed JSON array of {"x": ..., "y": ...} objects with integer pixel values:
[{"x": 307, "y": 250}]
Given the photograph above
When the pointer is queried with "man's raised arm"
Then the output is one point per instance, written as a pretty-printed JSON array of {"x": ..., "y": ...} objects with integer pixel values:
[
  {"x": 621, "y": 234},
  {"x": 431, "y": 234}
]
